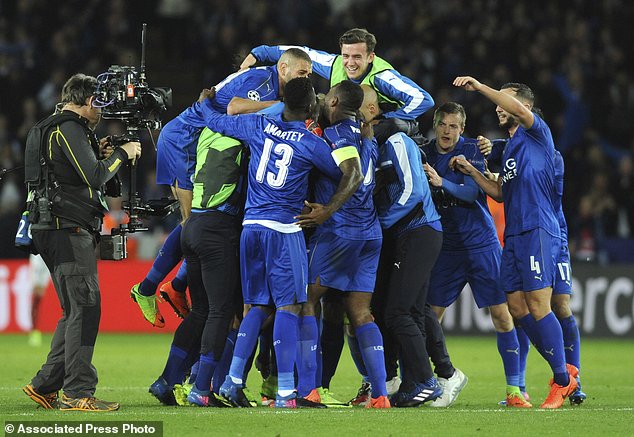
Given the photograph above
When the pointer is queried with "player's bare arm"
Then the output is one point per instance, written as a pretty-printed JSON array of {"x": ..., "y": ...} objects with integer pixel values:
[
  {"x": 503, "y": 99},
  {"x": 491, "y": 188}
]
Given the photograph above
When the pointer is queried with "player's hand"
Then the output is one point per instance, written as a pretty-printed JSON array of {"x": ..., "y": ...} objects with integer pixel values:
[
  {"x": 434, "y": 179},
  {"x": 485, "y": 145},
  {"x": 105, "y": 148},
  {"x": 462, "y": 164},
  {"x": 315, "y": 215},
  {"x": 467, "y": 82},
  {"x": 367, "y": 131},
  {"x": 133, "y": 149},
  {"x": 207, "y": 93},
  {"x": 248, "y": 62}
]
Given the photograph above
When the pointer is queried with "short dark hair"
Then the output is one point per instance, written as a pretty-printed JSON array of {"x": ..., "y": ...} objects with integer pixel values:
[
  {"x": 350, "y": 95},
  {"x": 297, "y": 54},
  {"x": 450, "y": 108},
  {"x": 299, "y": 94},
  {"x": 522, "y": 91},
  {"x": 357, "y": 35},
  {"x": 79, "y": 88}
]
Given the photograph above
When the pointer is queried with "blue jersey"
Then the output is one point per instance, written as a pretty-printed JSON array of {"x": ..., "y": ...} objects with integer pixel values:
[
  {"x": 466, "y": 220},
  {"x": 258, "y": 84},
  {"x": 357, "y": 218},
  {"x": 282, "y": 155},
  {"x": 559, "y": 193},
  {"x": 403, "y": 191},
  {"x": 528, "y": 180},
  {"x": 390, "y": 82}
]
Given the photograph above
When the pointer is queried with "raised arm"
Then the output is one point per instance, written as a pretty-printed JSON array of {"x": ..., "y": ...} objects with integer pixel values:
[
  {"x": 502, "y": 99},
  {"x": 322, "y": 61},
  {"x": 240, "y": 105}
]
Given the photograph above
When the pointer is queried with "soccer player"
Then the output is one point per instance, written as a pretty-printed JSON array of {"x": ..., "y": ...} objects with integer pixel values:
[
  {"x": 532, "y": 234},
  {"x": 412, "y": 238},
  {"x": 562, "y": 289},
  {"x": 404, "y": 99},
  {"x": 344, "y": 250},
  {"x": 210, "y": 244},
  {"x": 471, "y": 251},
  {"x": 273, "y": 258},
  {"x": 244, "y": 91}
]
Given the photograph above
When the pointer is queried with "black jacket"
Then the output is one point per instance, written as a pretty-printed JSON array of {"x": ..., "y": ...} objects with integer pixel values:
[{"x": 75, "y": 173}]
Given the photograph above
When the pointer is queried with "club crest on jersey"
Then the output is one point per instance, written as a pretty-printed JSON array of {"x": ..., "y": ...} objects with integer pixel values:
[
  {"x": 254, "y": 95},
  {"x": 510, "y": 170}
]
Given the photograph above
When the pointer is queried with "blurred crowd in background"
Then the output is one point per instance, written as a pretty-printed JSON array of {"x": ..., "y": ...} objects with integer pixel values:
[{"x": 574, "y": 54}]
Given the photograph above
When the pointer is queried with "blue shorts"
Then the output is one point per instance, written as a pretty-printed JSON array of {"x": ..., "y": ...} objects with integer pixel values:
[
  {"x": 342, "y": 264},
  {"x": 273, "y": 266},
  {"x": 453, "y": 270},
  {"x": 563, "y": 276},
  {"x": 529, "y": 261},
  {"x": 176, "y": 154}
]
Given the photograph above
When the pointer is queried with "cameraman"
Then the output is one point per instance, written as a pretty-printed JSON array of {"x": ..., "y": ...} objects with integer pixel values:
[{"x": 66, "y": 218}]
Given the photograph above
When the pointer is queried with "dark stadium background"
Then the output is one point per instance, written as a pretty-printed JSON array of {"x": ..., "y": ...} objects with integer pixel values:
[{"x": 575, "y": 54}]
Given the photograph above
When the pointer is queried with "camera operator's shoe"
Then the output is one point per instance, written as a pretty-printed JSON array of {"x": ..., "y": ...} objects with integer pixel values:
[
  {"x": 86, "y": 404},
  {"x": 47, "y": 401},
  {"x": 176, "y": 299},
  {"x": 148, "y": 306}
]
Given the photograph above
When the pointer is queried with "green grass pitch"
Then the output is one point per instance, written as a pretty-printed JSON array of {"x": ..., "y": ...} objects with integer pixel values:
[{"x": 129, "y": 363}]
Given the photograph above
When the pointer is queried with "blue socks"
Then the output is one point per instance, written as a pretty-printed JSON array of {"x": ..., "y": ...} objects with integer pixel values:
[
  {"x": 355, "y": 351},
  {"x": 371, "y": 345},
  {"x": 525, "y": 345},
  {"x": 307, "y": 362},
  {"x": 180, "y": 281},
  {"x": 509, "y": 349},
  {"x": 222, "y": 369},
  {"x": 169, "y": 255},
  {"x": 206, "y": 369},
  {"x": 285, "y": 336},
  {"x": 174, "y": 371},
  {"x": 194, "y": 372},
  {"x": 245, "y": 344},
  {"x": 551, "y": 346},
  {"x": 572, "y": 342}
]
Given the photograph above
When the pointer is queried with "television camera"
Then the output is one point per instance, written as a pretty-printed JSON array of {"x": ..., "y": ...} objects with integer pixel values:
[{"x": 124, "y": 94}]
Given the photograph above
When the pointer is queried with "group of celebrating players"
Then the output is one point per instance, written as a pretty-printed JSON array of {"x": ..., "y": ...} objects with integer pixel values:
[{"x": 396, "y": 226}]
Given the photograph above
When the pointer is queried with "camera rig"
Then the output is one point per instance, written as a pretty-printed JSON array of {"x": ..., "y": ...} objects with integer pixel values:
[{"x": 123, "y": 94}]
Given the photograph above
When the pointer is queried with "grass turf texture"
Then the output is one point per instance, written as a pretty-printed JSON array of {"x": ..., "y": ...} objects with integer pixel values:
[{"x": 128, "y": 364}]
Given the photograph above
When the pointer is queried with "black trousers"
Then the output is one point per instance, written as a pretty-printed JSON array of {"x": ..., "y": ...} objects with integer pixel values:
[
  {"x": 70, "y": 256},
  {"x": 401, "y": 295},
  {"x": 210, "y": 243}
]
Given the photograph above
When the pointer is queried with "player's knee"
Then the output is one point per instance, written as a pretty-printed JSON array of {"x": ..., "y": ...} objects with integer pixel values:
[
  {"x": 561, "y": 308},
  {"x": 501, "y": 318}
]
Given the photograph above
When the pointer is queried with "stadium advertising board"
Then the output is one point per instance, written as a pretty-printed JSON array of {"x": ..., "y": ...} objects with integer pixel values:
[{"x": 603, "y": 302}]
